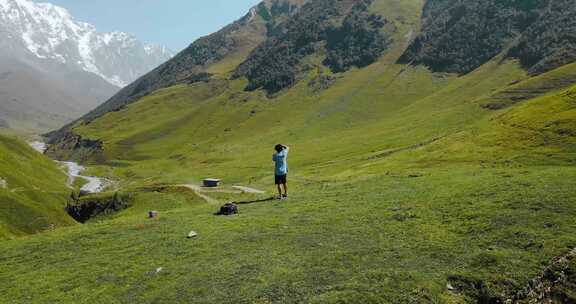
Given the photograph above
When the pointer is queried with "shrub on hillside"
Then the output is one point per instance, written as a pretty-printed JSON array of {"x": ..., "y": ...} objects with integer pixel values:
[
  {"x": 274, "y": 64},
  {"x": 351, "y": 35},
  {"x": 550, "y": 41},
  {"x": 358, "y": 42},
  {"x": 460, "y": 36}
]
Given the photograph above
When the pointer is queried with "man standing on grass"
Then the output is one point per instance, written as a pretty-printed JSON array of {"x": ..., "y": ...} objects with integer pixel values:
[{"x": 281, "y": 169}]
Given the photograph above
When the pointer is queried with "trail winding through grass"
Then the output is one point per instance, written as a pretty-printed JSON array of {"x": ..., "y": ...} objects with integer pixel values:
[{"x": 200, "y": 191}]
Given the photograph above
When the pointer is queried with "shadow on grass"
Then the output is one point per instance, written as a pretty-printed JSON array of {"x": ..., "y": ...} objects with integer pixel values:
[{"x": 255, "y": 201}]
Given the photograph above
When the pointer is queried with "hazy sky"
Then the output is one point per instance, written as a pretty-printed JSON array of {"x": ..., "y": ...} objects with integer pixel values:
[{"x": 172, "y": 23}]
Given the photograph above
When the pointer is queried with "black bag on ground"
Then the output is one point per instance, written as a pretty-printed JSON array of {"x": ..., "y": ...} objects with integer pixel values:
[{"x": 228, "y": 209}]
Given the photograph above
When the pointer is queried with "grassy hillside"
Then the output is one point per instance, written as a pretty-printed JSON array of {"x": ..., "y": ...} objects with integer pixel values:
[
  {"x": 406, "y": 186},
  {"x": 482, "y": 203},
  {"x": 33, "y": 191},
  {"x": 402, "y": 182},
  {"x": 212, "y": 56}
]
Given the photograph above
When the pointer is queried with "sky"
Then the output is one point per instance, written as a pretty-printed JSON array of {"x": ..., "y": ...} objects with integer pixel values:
[{"x": 171, "y": 23}]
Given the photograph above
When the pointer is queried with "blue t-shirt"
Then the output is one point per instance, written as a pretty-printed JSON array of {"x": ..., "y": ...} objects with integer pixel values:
[{"x": 280, "y": 158}]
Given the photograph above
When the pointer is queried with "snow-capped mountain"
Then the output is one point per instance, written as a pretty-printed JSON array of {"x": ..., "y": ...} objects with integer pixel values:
[
  {"x": 50, "y": 33},
  {"x": 54, "y": 69}
]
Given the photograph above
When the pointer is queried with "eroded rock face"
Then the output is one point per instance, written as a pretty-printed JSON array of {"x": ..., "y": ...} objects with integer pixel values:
[
  {"x": 553, "y": 285},
  {"x": 74, "y": 147},
  {"x": 83, "y": 209}
]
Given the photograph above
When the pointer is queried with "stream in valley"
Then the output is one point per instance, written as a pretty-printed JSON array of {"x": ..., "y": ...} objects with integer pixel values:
[{"x": 74, "y": 170}]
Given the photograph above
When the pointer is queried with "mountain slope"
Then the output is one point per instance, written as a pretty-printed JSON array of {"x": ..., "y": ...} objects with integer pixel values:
[
  {"x": 33, "y": 99},
  {"x": 207, "y": 57},
  {"x": 549, "y": 42},
  {"x": 346, "y": 35},
  {"x": 276, "y": 64},
  {"x": 32, "y": 191},
  {"x": 459, "y": 36},
  {"x": 407, "y": 184}
]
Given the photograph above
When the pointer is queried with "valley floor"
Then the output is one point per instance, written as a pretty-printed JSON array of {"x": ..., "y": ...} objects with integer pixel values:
[{"x": 399, "y": 237}]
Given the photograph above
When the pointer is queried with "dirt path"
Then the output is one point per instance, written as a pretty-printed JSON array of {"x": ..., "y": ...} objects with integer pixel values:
[
  {"x": 198, "y": 190},
  {"x": 201, "y": 192},
  {"x": 248, "y": 190}
]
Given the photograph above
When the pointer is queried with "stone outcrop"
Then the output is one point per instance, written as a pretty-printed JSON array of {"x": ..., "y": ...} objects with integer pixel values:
[{"x": 74, "y": 147}]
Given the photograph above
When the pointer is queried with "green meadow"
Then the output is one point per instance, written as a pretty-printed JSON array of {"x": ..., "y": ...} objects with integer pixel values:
[
  {"x": 397, "y": 188},
  {"x": 33, "y": 193},
  {"x": 406, "y": 186}
]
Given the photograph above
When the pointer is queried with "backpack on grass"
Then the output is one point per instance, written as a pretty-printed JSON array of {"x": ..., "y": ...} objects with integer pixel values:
[{"x": 228, "y": 209}]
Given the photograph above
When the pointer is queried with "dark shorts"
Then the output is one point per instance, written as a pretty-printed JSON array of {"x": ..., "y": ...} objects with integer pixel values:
[{"x": 280, "y": 179}]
